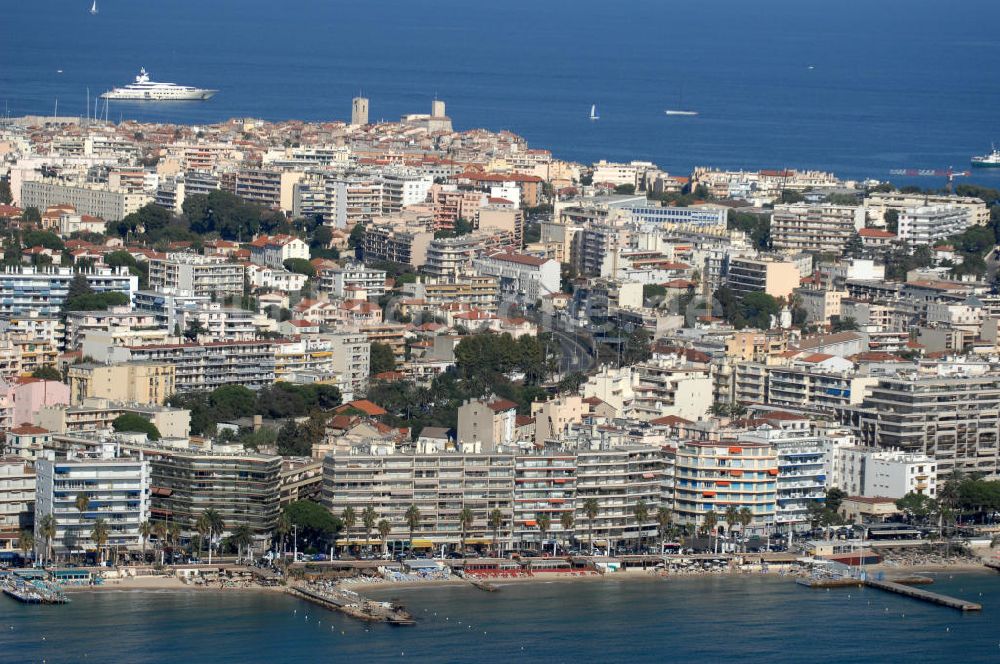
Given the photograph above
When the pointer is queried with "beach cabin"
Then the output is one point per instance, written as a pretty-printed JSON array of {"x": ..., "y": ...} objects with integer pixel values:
[{"x": 75, "y": 576}]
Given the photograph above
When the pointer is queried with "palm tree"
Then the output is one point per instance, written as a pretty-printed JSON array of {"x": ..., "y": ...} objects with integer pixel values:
[
  {"x": 495, "y": 523},
  {"x": 412, "y": 521},
  {"x": 350, "y": 519},
  {"x": 732, "y": 518},
  {"x": 465, "y": 519},
  {"x": 47, "y": 529},
  {"x": 590, "y": 508},
  {"x": 160, "y": 530},
  {"x": 145, "y": 530},
  {"x": 664, "y": 517},
  {"x": 384, "y": 528},
  {"x": 26, "y": 540},
  {"x": 566, "y": 520},
  {"x": 544, "y": 523},
  {"x": 174, "y": 535},
  {"x": 708, "y": 523},
  {"x": 745, "y": 519},
  {"x": 369, "y": 517},
  {"x": 641, "y": 511},
  {"x": 281, "y": 529},
  {"x": 82, "y": 503},
  {"x": 100, "y": 535},
  {"x": 242, "y": 537},
  {"x": 202, "y": 525},
  {"x": 213, "y": 525}
]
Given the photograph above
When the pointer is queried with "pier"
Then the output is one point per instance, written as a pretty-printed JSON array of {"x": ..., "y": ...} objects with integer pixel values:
[
  {"x": 34, "y": 591},
  {"x": 925, "y": 595},
  {"x": 351, "y": 604}
]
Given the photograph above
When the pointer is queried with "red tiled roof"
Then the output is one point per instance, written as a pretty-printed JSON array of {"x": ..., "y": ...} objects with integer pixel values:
[{"x": 501, "y": 405}]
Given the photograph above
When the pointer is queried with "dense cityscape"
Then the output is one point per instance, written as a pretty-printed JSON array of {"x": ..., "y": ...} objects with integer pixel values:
[{"x": 315, "y": 356}]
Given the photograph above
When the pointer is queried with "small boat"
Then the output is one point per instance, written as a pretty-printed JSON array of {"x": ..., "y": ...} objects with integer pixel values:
[
  {"x": 991, "y": 160},
  {"x": 673, "y": 111},
  {"x": 593, "y": 112},
  {"x": 93, "y": 8}
]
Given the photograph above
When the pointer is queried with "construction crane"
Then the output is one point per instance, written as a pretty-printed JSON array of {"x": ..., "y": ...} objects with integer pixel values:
[{"x": 948, "y": 173}]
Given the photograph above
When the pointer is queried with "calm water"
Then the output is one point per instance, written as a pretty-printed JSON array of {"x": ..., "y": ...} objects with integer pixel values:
[
  {"x": 894, "y": 83},
  {"x": 691, "y": 620}
]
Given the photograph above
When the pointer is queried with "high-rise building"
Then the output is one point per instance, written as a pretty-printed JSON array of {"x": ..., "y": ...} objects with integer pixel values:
[{"x": 359, "y": 111}]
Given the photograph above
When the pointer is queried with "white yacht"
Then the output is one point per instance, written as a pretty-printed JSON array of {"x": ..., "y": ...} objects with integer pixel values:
[{"x": 146, "y": 90}]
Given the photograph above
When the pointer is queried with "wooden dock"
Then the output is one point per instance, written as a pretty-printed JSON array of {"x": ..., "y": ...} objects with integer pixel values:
[{"x": 924, "y": 595}]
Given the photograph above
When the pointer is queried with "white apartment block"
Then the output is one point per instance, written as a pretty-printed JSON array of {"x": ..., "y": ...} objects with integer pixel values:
[
  {"x": 872, "y": 472},
  {"x": 201, "y": 275},
  {"x": 26, "y": 290},
  {"x": 351, "y": 358},
  {"x": 90, "y": 199},
  {"x": 815, "y": 227},
  {"x": 210, "y": 365},
  {"x": 351, "y": 280},
  {"x": 928, "y": 224},
  {"x": 118, "y": 493},
  {"x": 274, "y": 250},
  {"x": 879, "y": 202},
  {"x": 522, "y": 278},
  {"x": 17, "y": 500}
]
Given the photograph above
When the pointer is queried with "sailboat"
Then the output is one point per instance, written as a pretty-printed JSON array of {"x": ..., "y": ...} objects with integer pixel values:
[
  {"x": 680, "y": 107},
  {"x": 593, "y": 112},
  {"x": 93, "y": 7}
]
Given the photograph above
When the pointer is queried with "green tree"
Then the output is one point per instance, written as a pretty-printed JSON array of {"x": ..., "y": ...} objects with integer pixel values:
[
  {"x": 664, "y": 520},
  {"x": 211, "y": 523},
  {"x": 47, "y": 529},
  {"x": 233, "y": 402},
  {"x": 544, "y": 523},
  {"x": 708, "y": 524},
  {"x": 628, "y": 189},
  {"x": 99, "y": 534},
  {"x": 567, "y": 521},
  {"x": 465, "y": 519},
  {"x": 641, "y": 513},
  {"x": 349, "y": 518},
  {"x": 758, "y": 308},
  {"x": 382, "y": 358},
  {"x": 194, "y": 329},
  {"x": 891, "y": 218},
  {"x": 300, "y": 266},
  {"x": 357, "y": 236},
  {"x": 317, "y": 527},
  {"x": 590, "y": 509},
  {"x": 846, "y": 324},
  {"x": 384, "y": 530},
  {"x": 6, "y": 197},
  {"x": 48, "y": 372},
  {"x": 412, "y": 517},
  {"x": 242, "y": 538},
  {"x": 495, "y": 522},
  {"x": 917, "y": 507},
  {"x": 369, "y": 518},
  {"x": 26, "y": 542},
  {"x": 132, "y": 422},
  {"x": 145, "y": 530},
  {"x": 31, "y": 215}
]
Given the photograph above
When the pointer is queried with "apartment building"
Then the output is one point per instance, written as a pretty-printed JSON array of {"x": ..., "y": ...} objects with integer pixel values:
[
  {"x": 815, "y": 389},
  {"x": 661, "y": 388},
  {"x": 214, "y": 276},
  {"x": 803, "y": 459},
  {"x": 353, "y": 281},
  {"x": 759, "y": 275},
  {"x": 955, "y": 420},
  {"x": 522, "y": 278},
  {"x": 95, "y": 414},
  {"x": 544, "y": 487},
  {"x": 929, "y": 224},
  {"x": 439, "y": 485},
  {"x": 351, "y": 354},
  {"x": 820, "y": 305},
  {"x": 431, "y": 295},
  {"x": 447, "y": 258},
  {"x": 487, "y": 425},
  {"x": 884, "y": 473},
  {"x": 17, "y": 501},
  {"x": 618, "y": 479},
  {"x": 877, "y": 203},
  {"x": 243, "y": 487},
  {"x": 209, "y": 365},
  {"x": 117, "y": 490},
  {"x": 400, "y": 190},
  {"x": 397, "y": 241},
  {"x": 274, "y": 250},
  {"x": 133, "y": 382},
  {"x": 26, "y": 290},
  {"x": 80, "y": 322},
  {"x": 820, "y": 228},
  {"x": 92, "y": 200},
  {"x": 711, "y": 476},
  {"x": 217, "y": 323},
  {"x": 271, "y": 188}
]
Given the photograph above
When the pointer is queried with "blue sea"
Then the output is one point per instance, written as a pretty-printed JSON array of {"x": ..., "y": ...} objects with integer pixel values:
[
  {"x": 856, "y": 87},
  {"x": 691, "y": 620}
]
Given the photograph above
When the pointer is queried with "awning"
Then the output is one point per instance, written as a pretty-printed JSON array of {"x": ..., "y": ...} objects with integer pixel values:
[
  {"x": 161, "y": 491},
  {"x": 772, "y": 471},
  {"x": 707, "y": 494},
  {"x": 736, "y": 473},
  {"x": 736, "y": 450},
  {"x": 721, "y": 483},
  {"x": 477, "y": 540},
  {"x": 421, "y": 544},
  {"x": 648, "y": 476},
  {"x": 531, "y": 522}
]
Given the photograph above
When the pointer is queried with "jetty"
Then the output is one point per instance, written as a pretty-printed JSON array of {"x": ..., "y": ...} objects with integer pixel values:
[
  {"x": 925, "y": 595},
  {"x": 33, "y": 591},
  {"x": 354, "y": 605}
]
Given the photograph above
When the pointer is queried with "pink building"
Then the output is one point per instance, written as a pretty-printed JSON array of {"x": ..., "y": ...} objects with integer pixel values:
[{"x": 26, "y": 396}]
